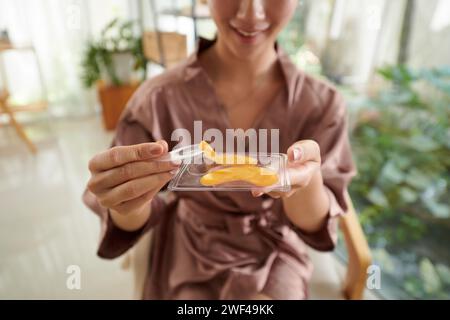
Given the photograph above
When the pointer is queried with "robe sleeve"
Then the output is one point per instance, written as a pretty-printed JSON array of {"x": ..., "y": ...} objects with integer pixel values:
[
  {"x": 134, "y": 127},
  {"x": 330, "y": 131}
]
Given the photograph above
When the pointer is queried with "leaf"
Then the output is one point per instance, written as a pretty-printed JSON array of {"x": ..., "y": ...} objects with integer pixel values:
[
  {"x": 400, "y": 75},
  {"x": 377, "y": 197},
  {"x": 430, "y": 277},
  {"x": 423, "y": 143},
  {"x": 418, "y": 179},
  {"x": 413, "y": 286},
  {"x": 408, "y": 195},
  {"x": 383, "y": 258},
  {"x": 444, "y": 273},
  {"x": 109, "y": 26},
  {"x": 443, "y": 71},
  {"x": 392, "y": 173},
  {"x": 439, "y": 78},
  {"x": 386, "y": 73},
  {"x": 438, "y": 210},
  {"x": 401, "y": 161}
]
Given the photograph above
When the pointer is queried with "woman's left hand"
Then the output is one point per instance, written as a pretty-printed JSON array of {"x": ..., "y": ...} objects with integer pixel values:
[{"x": 303, "y": 163}]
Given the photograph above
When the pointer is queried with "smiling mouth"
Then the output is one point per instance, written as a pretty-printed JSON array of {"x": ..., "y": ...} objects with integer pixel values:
[{"x": 248, "y": 34}]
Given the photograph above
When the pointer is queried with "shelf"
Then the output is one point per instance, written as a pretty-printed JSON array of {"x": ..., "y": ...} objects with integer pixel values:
[{"x": 198, "y": 10}]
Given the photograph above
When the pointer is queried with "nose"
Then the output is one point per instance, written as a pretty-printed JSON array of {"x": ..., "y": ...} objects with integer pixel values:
[{"x": 251, "y": 10}]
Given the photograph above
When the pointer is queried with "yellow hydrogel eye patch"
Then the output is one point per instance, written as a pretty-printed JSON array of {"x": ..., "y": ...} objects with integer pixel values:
[
  {"x": 225, "y": 159},
  {"x": 257, "y": 176}
]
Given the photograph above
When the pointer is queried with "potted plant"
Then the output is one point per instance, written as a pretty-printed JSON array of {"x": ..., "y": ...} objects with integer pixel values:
[{"x": 115, "y": 64}]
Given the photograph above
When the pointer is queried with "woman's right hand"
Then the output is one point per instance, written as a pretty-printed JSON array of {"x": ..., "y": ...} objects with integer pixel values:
[{"x": 126, "y": 178}]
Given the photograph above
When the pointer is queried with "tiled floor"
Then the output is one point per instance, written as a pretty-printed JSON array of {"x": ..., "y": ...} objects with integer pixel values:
[{"x": 44, "y": 226}]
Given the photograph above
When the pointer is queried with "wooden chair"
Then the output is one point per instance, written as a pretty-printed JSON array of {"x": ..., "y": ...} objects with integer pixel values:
[
  {"x": 4, "y": 108},
  {"x": 358, "y": 251},
  {"x": 4, "y": 94},
  {"x": 352, "y": 288}
]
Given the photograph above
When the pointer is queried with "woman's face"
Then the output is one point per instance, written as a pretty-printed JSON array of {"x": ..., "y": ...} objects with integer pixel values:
[{"x": 249, "y": 27}]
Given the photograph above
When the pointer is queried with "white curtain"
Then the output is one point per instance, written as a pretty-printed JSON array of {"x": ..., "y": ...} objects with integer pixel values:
[
  {"x": 353, "y": 37},
  {"x": 58, "y": 30}
]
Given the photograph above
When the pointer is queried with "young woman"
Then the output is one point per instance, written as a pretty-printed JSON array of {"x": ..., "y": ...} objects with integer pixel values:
[{"x": 227, "y": 245}]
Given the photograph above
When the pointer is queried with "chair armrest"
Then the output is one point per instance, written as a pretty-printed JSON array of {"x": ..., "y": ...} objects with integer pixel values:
[{"x": 359, "y": 256}]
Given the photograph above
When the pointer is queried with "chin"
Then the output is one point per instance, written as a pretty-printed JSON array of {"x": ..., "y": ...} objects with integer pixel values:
[{"x": 247, "y": 50}]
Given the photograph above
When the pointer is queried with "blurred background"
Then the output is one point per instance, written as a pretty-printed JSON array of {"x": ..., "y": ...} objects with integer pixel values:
[{"x": 67, "y": 67}]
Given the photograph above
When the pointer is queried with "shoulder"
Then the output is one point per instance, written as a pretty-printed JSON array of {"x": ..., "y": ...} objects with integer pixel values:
[
  {"x": 320, "y": 95},
  {"x": 151, "y": 93},
  {"x": 169, "y": 79},
  {"x": 307, "y": 93}
]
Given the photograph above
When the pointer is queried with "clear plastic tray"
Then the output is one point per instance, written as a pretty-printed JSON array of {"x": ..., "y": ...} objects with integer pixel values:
[{"x": 192, "y": 170}]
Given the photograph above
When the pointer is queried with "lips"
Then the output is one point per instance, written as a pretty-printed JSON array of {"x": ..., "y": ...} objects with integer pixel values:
[{"x": 248, "y": 34}]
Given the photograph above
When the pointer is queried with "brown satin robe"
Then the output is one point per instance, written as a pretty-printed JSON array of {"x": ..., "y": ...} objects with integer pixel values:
[{"x": 230, "y": 245}]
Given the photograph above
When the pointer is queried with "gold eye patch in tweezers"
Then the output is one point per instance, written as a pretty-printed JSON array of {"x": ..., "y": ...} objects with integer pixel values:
[
  {"x": 225, "y": 159},
  {"x": 239, "y": 168}
]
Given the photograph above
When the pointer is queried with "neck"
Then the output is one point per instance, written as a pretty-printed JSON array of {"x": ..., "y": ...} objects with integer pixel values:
[{"x": 228, "y": 66}]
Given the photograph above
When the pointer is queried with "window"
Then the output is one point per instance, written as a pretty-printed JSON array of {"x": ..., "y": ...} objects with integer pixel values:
[{"x": 393, "y": 66}]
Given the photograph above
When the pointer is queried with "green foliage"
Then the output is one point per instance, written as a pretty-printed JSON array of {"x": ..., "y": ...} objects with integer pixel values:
[
  {"x": 432, "y": 282},
  {"x": 291, "y": 38},
  {"x": 401, "y": 143},
  {"x": 116, "y": 37}
]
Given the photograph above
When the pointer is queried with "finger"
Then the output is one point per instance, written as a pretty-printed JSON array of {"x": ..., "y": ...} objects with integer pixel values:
[
  {"x": 260, "y": 191},
  {"x": 303, "y": 151},
  {"x": 274, "y": 194},
  {"x": 277, "y": 195},
  {"x": 257, "y": 193},
  {"x": 112, "y": 178},
  {"x": 164, "y": 144},
  {"x": 301, "y": 174},
  {"x": 133, "y": 189},
  {"x": 121, "y": 155},
  {"x": 134, "y": 204}
]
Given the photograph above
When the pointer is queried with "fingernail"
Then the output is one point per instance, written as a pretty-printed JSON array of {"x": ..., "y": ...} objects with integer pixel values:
[
  {"x": 156, "y": 150},
  {"x": 297, "y": 152},
  {"x": 162, "y": 143},
  {"x": 176, "y": 162},
  {"x": 173, "y": 171}
]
